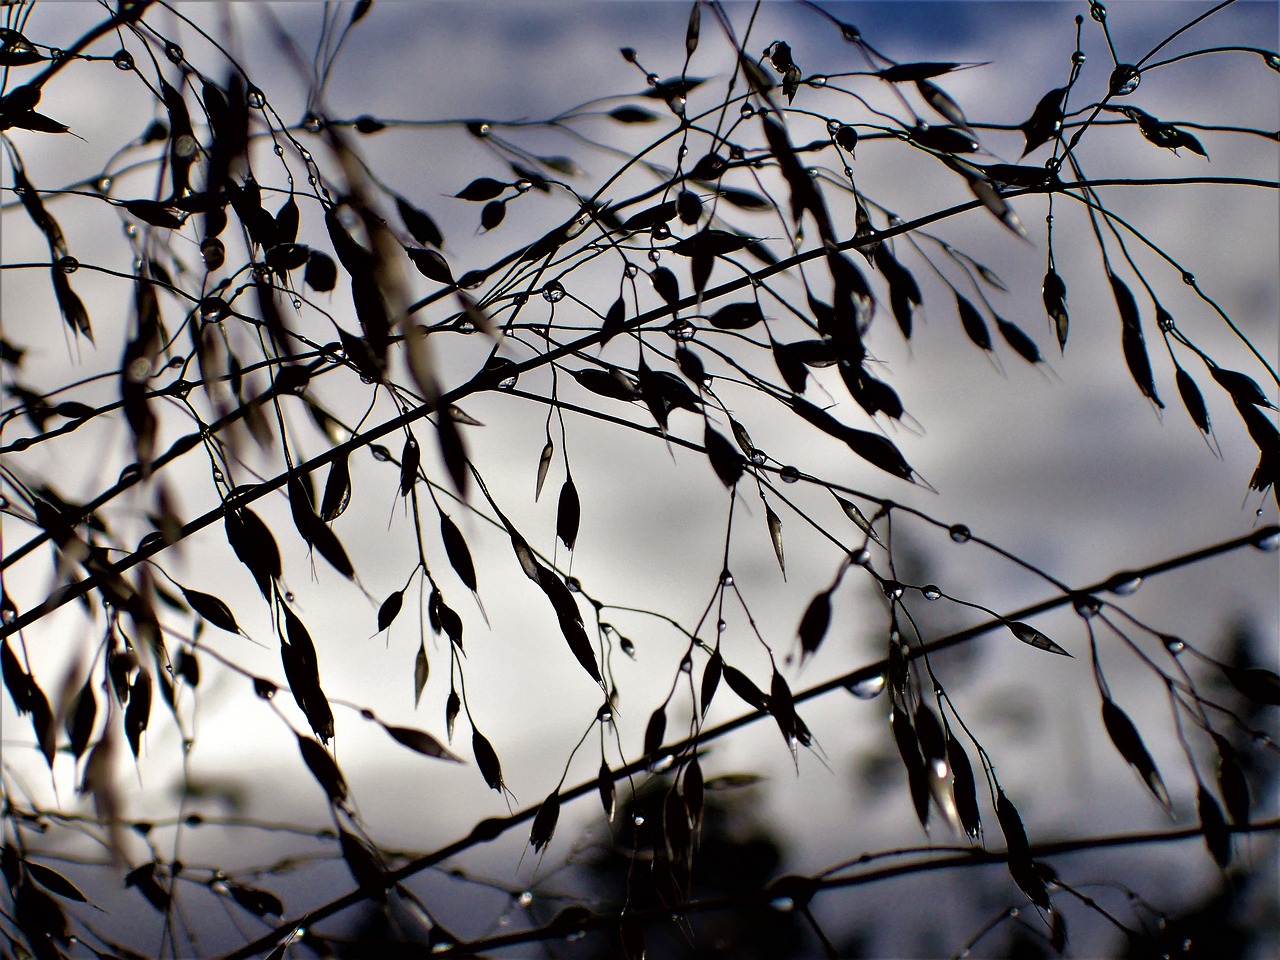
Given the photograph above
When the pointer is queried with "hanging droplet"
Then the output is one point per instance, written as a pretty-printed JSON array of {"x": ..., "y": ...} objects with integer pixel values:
[
  {"x": 103, "y": 185},
  {"x": 130, "y": 230},
  {"x": 525, "y": 899},
  {"x": 218, "y": 476},
  {"x": 1273, "y": 61},
  {"x": 655, "y": 255},
  {"x": 553, "y": 292},
  {"x": 681, "y": 330},
  {"x": 312, "y": 123},
  {"x": 789, "y": 474},
  {"x": 68, "y": 264},
  {"x": 860, "y": 558},
  {"x": 1166, "y": 322},
  {"x": 931, "y": 591},
  {"x": 661, "y": 231},
  {"x": 1175, "y": 645},
  {"x": 123, "y": 60},
  {"x": 833, "y": 127},
  {"x": 255, "y": 98},
  {"x": 747, "y": 111},
  {"x": 652, "y": 79},
  {"x": 1097, "y": 11},
  {"x": 758, "y": 456},
  {"x": 1087, "y": 606},
  {"x": 868, "y": 688},
  {"x": 631, "y": 271},
  {"x": 893, "y": 589},
  {"x": 180, "y": 389},
  {"x": 726, "y": 578},
  {"x": 1124, "y": 584},
  {"x": 638, "y": 819},
  {"x": 1077, "y": 58},
  {"x": 173, "y": 52},
  {"x": 721, "y": 626},
  {"x": 524, "y": 186},
  {"x": 212, "y": 309},
  {"x": 1124, "y": 79},
  {"x": 213, "y": 253},
  {"x": 817, "y": 81},
  {"x": 1269, "y": 543},
  {"x": 380, "y": 452},
  {"x": 960, "y": 533}
]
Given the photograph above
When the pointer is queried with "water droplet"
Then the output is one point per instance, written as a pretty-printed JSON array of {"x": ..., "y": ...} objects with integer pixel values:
[
  {"x": 726, "y": 578},
  {"x": 931, "y": 591},
  {"x": 186, "y": 146},
  {"x": 525, "y": 898},
  {"x": 524, "y": 186},
  {"x": 130, "y": 230},
  {"x": 507, "y": 384},
  {"x": 68, "y": 264},
  {"x": 380, "y": 452},
  {"x": 574, "y": 584},
  {"x": 833, "y": 127},
  {"x": 817, "y": 81},
  {"x": 1013, "y": 911},
  {"x": 661, "y": 231},
  {"x": 173, "y": 52},
  {"x": 758, "y": 456},
  {"x": 8, "y": 615},
  {"x": 553, "y": 292},
  {"x": 218, "y": 476},
  {"x": 870, "y": 688},
  {"x": 212, "y": 309},
  {"x": 652, "y": 79},
  {"x": 255, "y": 99},
  {"x": 960, "y": 533},
  {"x": 1124, "y": 79},
  {"x": 789, "y": 474},
  {"x": 747, "y": 111},
  {"x": 1124, "y": 584},
  {"x": 655, "y": 255},
  {"x": 735, "y": 150},
  {"x": 860, "y": 558},
  {"x": 180, "y": 388},
  {"x": 631, "y": 271},
  {"x": 297, "y": 303},
  {"x": 1077, "y": 58},
  {"x": 721, "y": 626},
  {"x": 103, "y": 185},
  {"x": 56, "y": 53},
  {"x": 1087, "y": 606},
  {"x": 213, "y": 253},
  {"x": 893, "y": 589},
  {"x": 782, "y": 904},
  {"x": 1273, "y": 61},
  {"x": 1097, "y": 11},
  {"x": 681, "y": 330},
  {"x": 1173, "y": 644},
  {"x": 1269, "y": 543},
  {"x": 638, "y": 820},
  {"x": 123, "y": 60},
  {"x": 278, "y": 150}
]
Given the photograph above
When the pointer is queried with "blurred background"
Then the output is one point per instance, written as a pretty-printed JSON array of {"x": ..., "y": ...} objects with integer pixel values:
[{"x": 1064, "y": 464}]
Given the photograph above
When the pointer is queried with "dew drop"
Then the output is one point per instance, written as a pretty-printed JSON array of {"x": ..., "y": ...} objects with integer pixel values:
[
  {"x": 130, "y": 230},
  {"x": 817, "y": 81},
  {"x": 652, "y": 79},
  {"x": 173, "y": 52},
  {"x": 68, "y": 264},
  {"x": 524, "y": 186},
  {"x": 869, "y": 688},
  {"x": 1098, "y": 11},
  {"x": 655, "y": 255},
  {"x": 893, "y": 589},
  {"x": 186, "y": 146},
  {"x": 638, "y": 820},
  {"x": 255, "y": 99},
  {"x": 212, "y": 309},
  {"x": 103, "y": 184},
  {"x": 507, "y": 384},
  {"x": 380, "y": 452},
  {"x": 574, "y": 584},
  {"x": 833, "y": 127},
  {"x": 721, "y": 626},
  {"x": 1188, "y": 278},
  {"x": 1013, "y": 911},
  {"x": 278, "y": 150},
  {"x": 1077, "y": 58},
  {"x": 782, "y": 904},
  {"x": 1173, "y": 644},
  {"x": 735, "y": 150},
  {"x": 960, "y": 533},
  {"x": 297, "y": 303},
  {"x": 1124, "y": 79},
  {"x": 123, "y": 60},
  {"x": 860, "y": 558},
  {"x": 931, "y": 591},
  {"x": 1124, "y": 584},
  {"x": 661, "y": 231},
  {"x": 213, "y": 253},
  {"x": 525, "y": 899},
  {"x": 789, "y": 474},
  {"x": 180, "y": 389},
  {"x": 1269, "y": 543},
  {"x": 1087, "y": 606},
  {"x": 726, "y": 578},
  {"x": 1273, "y": 61},
  {"x": 757, "y": 456},
  {"x": 8, "y": 615},
  {"x": 747, "y": 111},
  {"x": 218, "y": 476},
  {"x": 553, "y": 292},
  {"x": 312, "y": 123},
  {"x": 631, "y": 271},
  {"x": 681, "y": 330}
]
